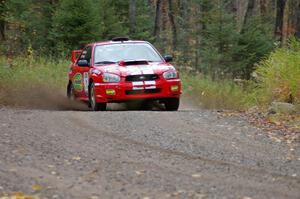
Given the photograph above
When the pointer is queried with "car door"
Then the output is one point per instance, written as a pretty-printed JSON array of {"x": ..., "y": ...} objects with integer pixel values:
[{"x": 81, "y": 77}]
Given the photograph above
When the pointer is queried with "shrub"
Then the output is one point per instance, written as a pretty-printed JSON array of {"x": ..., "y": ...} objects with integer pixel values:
[
  {"x": 279, "y": 75},
  {"x": 225, "y": 94}
]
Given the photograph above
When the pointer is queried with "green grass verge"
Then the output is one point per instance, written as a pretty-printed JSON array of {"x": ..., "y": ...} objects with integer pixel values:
[
  {"x": 278, "y": 79},
  {"x": 29, "y": 72},
  {"x": 24, "y": 80},
  {"x": 279, "y": 75},
  {"x": 223, "y": 94}
]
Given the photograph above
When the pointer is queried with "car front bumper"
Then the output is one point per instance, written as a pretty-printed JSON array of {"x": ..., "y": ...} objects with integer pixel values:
[{"x": 126, "y": 91}]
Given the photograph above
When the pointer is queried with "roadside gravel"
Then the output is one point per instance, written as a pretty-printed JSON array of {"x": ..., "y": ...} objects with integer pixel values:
[{"x": 142, "y": 154}]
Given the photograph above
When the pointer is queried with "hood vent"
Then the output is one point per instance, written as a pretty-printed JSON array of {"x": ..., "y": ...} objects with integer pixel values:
[{"x": 134, "y": 62}]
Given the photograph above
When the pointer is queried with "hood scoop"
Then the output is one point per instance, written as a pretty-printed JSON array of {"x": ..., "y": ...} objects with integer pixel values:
[{"x": 133, "y": 62}]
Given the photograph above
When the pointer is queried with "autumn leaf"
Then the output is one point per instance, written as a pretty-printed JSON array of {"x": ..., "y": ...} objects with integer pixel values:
[{"x": 19, "y": 196}]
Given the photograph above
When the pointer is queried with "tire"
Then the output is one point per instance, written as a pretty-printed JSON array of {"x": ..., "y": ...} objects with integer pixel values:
[
  {"x": 70, "y": 92},
  {"x": 172, "y": 104},
  {"x": 92, "y": 100},
  {"x": 146, "y": 105}
]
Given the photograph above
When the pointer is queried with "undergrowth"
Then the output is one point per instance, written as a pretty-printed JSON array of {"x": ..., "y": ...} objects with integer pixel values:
[
  {"x": 278, "y": 79},
  {"x": 28, "y": 72},
  {"x": 224, "y": 94},
  {"x": 279, "y": 75}
]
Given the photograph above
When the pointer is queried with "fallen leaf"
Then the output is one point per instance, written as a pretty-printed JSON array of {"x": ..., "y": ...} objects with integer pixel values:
[
  {"x": 19, "y": 196},
  {"x": 200, "y": 196},
  {"x": 142, "y": 172},
  {"x": 37, "y": 187},
  {"x": 77, "y": 158},
  {"x": 196, "y": 175}
]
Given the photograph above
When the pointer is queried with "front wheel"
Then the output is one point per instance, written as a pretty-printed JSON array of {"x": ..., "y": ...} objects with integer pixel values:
[
  {"x": 92, "y": 100},
  {"x": 172, "y": 104}
]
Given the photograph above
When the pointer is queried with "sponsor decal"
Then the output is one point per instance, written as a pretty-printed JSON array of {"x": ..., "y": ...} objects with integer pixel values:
[
  {"x": 150, "y": 82},
  {"x": 86, "y": 82},
  {"x": 143, "y": 85},
  {"x": 77, "y": 82}
]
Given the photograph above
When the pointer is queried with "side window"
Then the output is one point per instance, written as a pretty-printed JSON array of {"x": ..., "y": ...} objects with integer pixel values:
[{"x": 86, "y": 54}]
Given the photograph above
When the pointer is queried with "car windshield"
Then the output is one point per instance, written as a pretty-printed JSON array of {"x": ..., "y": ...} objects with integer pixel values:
[{"x": 108, "y": 54}]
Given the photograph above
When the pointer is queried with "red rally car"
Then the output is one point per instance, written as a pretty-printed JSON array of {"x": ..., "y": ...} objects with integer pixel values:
[{"x": 123, "y": 70}]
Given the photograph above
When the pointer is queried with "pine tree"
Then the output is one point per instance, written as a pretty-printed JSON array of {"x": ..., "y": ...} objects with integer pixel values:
[
  {"x": 74, "y": 24},
  {"x": 219, "y": 42},
  {"x": 110, "y": 21}
]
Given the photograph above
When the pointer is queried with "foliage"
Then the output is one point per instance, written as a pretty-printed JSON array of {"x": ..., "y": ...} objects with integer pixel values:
[
  {"x": 210, "y": 36},
  {"x": 255, "y": 43},
  {"x": 228, "y": 52},
  {"x": 279, "y": 75},
  {"x": 29, "y": 24},
  {"x": 74, "y": 25},
  {"x": 33, "y": 71},
  {"x": 109, "y": 21},
  {"x": 224, "y": 94}
]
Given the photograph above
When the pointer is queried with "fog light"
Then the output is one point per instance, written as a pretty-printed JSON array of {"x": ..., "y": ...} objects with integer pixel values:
[
  {"x": 110, "y": 92},
  {"x": 174, "y": 88}
]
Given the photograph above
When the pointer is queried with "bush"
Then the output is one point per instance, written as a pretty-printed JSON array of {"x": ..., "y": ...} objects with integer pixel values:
[
  {"x": 26, "y": 79},
  {"x": 33, "y": 71},
  {"x": 225, "y": 94},
  {"x": 279, "y": 75}
]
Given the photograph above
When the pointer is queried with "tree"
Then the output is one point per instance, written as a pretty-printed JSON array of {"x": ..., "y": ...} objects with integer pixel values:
[
  {"x": 132, "y": 16},
  {"x": 219, "y": 42},
  {"x": 279, "y": 24},
  {"x": 111, "y": 21},
  {"x": 2, "y": 20},
  {"x": 297, "y": 34},
  {"x": 173, "y": 25},
  {"x": 158, "y": 18},
  {"x": 73, "y": 25}
]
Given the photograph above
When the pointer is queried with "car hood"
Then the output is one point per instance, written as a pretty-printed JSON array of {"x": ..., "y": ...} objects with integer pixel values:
[{"x": 151, "y": 68}]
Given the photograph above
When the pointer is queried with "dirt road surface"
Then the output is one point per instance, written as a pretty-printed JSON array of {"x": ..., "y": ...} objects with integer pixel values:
[{"x": 142, "y": 154}]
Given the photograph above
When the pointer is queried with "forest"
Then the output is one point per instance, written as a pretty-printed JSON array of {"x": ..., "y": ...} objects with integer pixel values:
[
  {"x": 213, "y": 40},
  {"x": 221, "y": 38}
]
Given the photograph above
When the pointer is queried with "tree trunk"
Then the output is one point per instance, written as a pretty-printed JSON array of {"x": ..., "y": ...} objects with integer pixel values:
[
  {"x": 263, "y": 8},
  {"x": 173, "y": 25},
  {"x": 158, "y": 17},
  {"x": 249, "y": 11},
  {"x": 132, "y": 16},
  {"x": 279, "y": 24},
  {"x": 297, "y": 32},
  {"x": 2, "y": 21}
]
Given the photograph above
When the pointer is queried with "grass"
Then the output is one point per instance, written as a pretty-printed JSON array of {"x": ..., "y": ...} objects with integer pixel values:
[
  {"x": 278, "y": 79},
  {"x": 279, "y": 75},
  {"x": 23, "y": 71},
  {"x": 25, "y": 77},
  {"x": 223, "y": 94}
]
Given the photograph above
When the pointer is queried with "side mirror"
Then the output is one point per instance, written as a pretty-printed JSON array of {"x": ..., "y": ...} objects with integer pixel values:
[
  {"x": 75, "y": 55},
  {"x": 168, "y": 58},
  {"x": 83, "y": 62}
]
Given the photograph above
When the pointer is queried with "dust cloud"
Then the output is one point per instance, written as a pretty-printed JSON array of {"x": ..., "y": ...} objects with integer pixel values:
[
  {"x": 39, "y": 97},
  {"x": 44, "y": 97}
]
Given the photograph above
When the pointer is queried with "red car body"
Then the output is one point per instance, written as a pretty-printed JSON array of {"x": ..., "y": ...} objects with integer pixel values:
[{"x": 122, "y": 80}]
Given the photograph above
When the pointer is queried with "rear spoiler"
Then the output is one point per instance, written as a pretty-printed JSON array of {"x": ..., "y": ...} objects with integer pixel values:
[{"x": 75, "y": 55}]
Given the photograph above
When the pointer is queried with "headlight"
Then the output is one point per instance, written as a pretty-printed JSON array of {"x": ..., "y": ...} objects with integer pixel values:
[
  {"x": 109, "y": 77},
  {"x": 170, "y": 74}
]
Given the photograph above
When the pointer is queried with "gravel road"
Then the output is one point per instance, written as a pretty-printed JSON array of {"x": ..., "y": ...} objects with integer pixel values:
[{"x": 142, "y": 154}]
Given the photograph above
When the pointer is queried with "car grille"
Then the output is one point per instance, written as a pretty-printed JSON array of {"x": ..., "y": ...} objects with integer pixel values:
[
  {"x": 136, "y": 78},
  {"x": 147, "y": 91}
]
